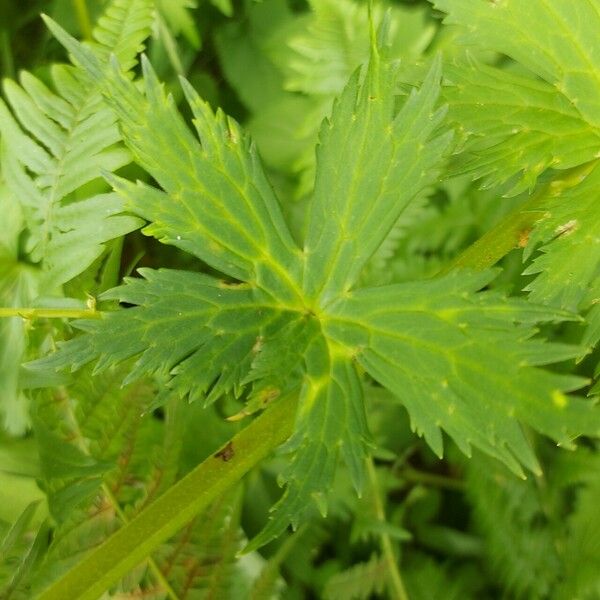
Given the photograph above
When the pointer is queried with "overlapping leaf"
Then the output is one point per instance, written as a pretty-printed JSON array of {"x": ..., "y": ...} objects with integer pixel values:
[
  {"x": 515, "y": 125},
  {"x": 544, "y": 116},
  {"x": 569, "y": 234},
  {"x": 547, "y": 116},
  {"x": 217, "y": 203}
]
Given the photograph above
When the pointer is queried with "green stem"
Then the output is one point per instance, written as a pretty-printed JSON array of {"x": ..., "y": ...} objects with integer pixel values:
[
  {"x": 6, "y": 55},
  {"x": 83, "y": 18},
  {"x": 414, "y": 476},
  {"x": 158, "y": 574},
  {"x": 50, "y": 313},
  {"x": 69, "y": 415},
  {"x": 397, "y": 585},
  {"x": 120, "y": 553},
  {"x": 513, "y": 231}
]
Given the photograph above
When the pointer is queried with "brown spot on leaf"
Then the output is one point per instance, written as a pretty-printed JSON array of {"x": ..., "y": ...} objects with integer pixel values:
[
  {"x": 226, "y": 453},
  {"x": 524, "y": 237}
]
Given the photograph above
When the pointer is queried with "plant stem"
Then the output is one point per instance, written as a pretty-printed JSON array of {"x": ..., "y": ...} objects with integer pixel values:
[
  {"x": 125, "y": 549},
  {"x": 79, "y": 440},
  {"x": 415, "y": 476},
  {"x": 6, "y": 54},
  {"x": 83, "y": 18},
  {"x": 396, "y": 583},
  {"x": 158, "y": 574},
  {"x": 513, "y": 231},
  {"x": 50, "y": 313}
]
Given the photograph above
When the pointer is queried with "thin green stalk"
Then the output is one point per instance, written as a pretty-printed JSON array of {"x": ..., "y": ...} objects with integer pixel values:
[
  {"x": 6, "y": 55},
  {"x": 83, "y": 18},
  {"x": 414, "y": 476},
  {"x": 513, "y": 231},
  {"x": 397, "y": 585},
  {"x": 50, "y": 313},
  {"x": 120, "y": 553}
]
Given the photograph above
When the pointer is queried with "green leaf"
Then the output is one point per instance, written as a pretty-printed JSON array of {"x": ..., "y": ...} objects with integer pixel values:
[
  {"x": 201, "y": 331},
  {"x": 569, "y": 236},
  {"x": 122, "y": 29},
  {"x": 330, "y": 43},
  {"x": 522, "y": 556},
  {"x": 435, "y": 344},
  {"x": 161, "y": 519},
  {"x": 438, "y": 346},
  {"x": 54, "y": 144},
  {"x": 370, "y": 165},
  {"x": 331, "y": 394},
  {"x": 177, "y": 14},
  {"x": 514, "y": 124},
  {"x": 553, "y": 39},
  {"x": 220, "y": 205},
  {"x": 582, "y": 566},
  {"x": 17, "y": 530},
  {"x": 361, "y": 582}
]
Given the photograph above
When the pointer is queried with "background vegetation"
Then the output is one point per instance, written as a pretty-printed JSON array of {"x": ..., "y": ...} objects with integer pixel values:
[{"x": 81, "y": 454}]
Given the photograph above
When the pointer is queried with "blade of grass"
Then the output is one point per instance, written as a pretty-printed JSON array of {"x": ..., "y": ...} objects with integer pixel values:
[{"x": 120, "y": 553}]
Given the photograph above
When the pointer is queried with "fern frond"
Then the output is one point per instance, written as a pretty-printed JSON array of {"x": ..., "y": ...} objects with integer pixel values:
[
  {"x": 104, "y": 461},
  {"x": 334, "y": 39},
  {"x": 122, "y": 29},
  {"x": 360, "y": 582},
  {"x": 582, "y": 550},
  {"x": 73, "y": 138},
  {"x": 18, "y": 284},
  {"x": 521, "y": 553},
  {"x": 53, "y": 146}
]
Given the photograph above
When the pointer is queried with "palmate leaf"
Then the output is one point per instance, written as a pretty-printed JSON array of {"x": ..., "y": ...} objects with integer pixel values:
[
  {"x": 514, "y": 124},
  {"x": 517, "y": 122},
  {"x": 220, "y": 206},
  {"x": 459, "y": 360},
  {"x": 201, "y": 330},
  {"x": 568, "y": 267},
  {"x": 529, "y": 122}
]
